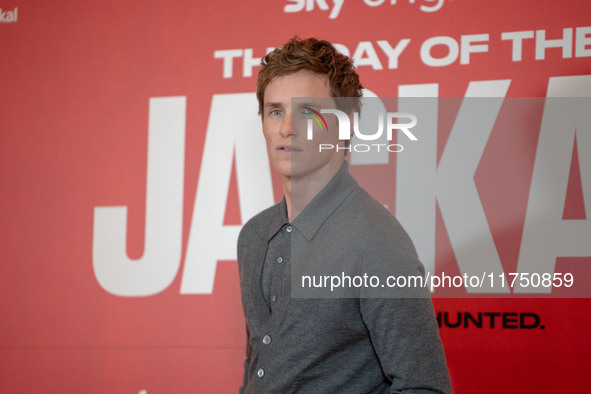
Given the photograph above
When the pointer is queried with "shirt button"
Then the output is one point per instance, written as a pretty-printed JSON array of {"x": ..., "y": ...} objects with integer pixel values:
[
  {"x": 288, "y": 229},
  {"x": 261, "y": 372},
  {"x": 266, "y": 339},
  {"x": 274, "y": 298},
  {"x": 280, "y": 259}
]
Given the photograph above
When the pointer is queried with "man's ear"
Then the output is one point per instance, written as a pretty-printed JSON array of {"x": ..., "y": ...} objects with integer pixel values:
[
  {"x": 352, "y": 121},
  {"x": 351, "y": 116}
]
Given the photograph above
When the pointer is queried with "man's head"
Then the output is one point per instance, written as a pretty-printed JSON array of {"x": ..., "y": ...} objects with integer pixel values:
[
  {"x": 319, "y": 57},
  {"x": 314, "y": 71}
]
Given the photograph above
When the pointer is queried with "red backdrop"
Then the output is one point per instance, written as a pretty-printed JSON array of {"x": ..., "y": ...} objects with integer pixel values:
[{"x": 77, "y": 84}]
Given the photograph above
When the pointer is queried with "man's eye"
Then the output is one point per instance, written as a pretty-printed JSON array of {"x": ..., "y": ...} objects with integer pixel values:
[{"x": 275, "y": 112}]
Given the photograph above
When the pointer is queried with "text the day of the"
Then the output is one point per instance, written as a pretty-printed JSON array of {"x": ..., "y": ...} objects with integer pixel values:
[{"x": 388, "y": 54}]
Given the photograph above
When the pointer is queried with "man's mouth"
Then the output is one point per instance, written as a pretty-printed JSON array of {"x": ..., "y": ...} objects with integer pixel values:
[{"x": 288, "y": 148}]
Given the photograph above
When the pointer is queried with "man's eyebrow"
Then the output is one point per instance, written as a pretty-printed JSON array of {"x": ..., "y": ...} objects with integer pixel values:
[{"x": 271, "y": 105}]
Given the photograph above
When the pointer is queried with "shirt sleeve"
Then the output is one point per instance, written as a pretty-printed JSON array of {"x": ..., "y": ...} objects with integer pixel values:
[
  {"x": 240, "y": 250},
  {"x": 246, "y": 361},
  {"x": 401, "y": 322},
  {"x": 405, "y": 337}
]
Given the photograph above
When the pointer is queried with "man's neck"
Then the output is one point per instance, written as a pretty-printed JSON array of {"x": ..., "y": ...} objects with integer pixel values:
[{"x": 300, "y": 191}]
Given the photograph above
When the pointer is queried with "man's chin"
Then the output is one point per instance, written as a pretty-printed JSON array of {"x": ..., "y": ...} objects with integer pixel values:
[{"x": 283, "y": 169}]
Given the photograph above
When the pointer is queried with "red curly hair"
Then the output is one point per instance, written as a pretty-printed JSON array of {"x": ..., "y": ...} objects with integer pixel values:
[{"x": 318, "y": 56}]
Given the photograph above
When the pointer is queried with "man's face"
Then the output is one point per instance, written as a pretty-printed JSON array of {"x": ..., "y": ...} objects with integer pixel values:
[{"x": 285, "y": 128}]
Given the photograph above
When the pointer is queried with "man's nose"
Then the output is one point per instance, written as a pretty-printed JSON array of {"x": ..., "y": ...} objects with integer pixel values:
[{"x": 286, "y": 126}]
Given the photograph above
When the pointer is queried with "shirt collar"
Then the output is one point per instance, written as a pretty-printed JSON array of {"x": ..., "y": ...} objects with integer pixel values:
[
  {"x": 325, "y": 203},
  {"x": 277, "y": 221}
]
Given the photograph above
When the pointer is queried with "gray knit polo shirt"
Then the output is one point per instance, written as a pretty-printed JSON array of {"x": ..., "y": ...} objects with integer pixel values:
[{"x": 326, "y": 342}]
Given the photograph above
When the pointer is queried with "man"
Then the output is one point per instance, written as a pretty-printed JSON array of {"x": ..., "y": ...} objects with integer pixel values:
[{"x": 356, "y": 342}]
